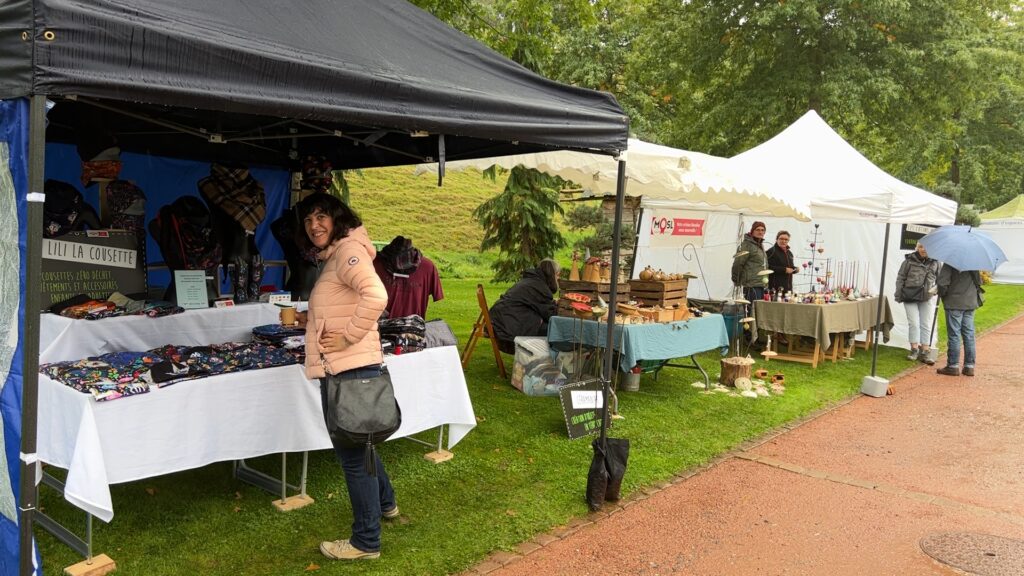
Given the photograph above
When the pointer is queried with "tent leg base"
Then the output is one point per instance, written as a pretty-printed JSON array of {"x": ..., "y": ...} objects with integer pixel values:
[
  {"x": 292, "y": 503},
  {"x": 98, "y": 566},
  {"x": 438, "y": 456}
]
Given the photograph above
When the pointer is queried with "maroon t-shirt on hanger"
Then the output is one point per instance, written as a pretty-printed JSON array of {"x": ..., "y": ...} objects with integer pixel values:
[{"x": 408, "y": 295}]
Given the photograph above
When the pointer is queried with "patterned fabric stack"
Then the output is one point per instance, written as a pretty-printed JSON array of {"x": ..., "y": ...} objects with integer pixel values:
[
  {"x": 406, "y": 334},
  {"x": 288, "y": 338},
  {"x": 117, "y": 374}
]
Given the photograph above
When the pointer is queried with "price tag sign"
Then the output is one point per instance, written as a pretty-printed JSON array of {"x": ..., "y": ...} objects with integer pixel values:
[{"x": 190, "y": 288}]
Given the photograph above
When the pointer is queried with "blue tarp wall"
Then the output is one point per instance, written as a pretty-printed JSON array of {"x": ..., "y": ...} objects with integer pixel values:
[
  {"x": 13, "y": 216},
  {"x": 162, "y": 180},
  {"x": 165, "y": 179}
]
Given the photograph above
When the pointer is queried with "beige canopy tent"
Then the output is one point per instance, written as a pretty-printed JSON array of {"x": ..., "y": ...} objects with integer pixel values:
[{"x": 654, "y": 172}]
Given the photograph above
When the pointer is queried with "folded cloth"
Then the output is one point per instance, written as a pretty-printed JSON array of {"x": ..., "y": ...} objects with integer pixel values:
[
  {"x": 100, "y": 170},
  {"x": 402, "y": 325},
  {"x": 130, "y": 306},
  {"x": 159, "y": 308},
  {"x": 439, "y": 333},
  {"x": 89, "y": 308}
]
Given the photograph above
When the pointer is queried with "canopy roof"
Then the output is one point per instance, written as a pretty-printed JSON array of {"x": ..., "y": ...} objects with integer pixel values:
[
  {"x": 654, "y": 172},
  {"x": 1012, "y": 210},
  {"x": 810, "y": 161},
  {"x": 357, "y": 78}
]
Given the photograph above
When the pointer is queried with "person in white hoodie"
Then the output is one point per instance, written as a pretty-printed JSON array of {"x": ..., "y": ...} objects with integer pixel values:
[{"x": 342, "y": 340}]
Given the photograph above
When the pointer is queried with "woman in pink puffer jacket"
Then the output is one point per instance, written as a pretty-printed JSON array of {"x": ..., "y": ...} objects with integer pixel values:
[{"x": 342, "y": 341}]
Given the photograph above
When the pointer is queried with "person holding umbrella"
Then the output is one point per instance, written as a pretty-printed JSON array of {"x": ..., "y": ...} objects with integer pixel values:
[
  {"x": 961, "y": 295},
  {"x": 964, "y": 251}
]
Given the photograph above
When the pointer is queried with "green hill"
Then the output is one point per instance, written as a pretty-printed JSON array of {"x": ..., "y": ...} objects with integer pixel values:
[{"x": 393, "y": 201}]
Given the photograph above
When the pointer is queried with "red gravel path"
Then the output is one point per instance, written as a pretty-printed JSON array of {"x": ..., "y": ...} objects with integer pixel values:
[{"x": 851, "y": 492}]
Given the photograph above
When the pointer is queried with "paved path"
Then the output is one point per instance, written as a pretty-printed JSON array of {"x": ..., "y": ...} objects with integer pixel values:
[{"x": 852, "y": 491}]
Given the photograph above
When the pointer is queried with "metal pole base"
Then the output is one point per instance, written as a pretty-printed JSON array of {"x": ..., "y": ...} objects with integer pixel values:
[{"x": 874, "y": 386}]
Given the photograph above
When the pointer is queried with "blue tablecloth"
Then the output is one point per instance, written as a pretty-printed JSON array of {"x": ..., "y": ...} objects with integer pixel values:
[{"x": 644, "y": 341}]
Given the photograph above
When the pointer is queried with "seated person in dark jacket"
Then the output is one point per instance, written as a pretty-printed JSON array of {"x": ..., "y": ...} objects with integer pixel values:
[{"x": 525, "y": 309}]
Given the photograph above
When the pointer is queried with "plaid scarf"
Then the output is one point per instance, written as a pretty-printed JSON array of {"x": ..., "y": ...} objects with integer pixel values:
[
  {"x": 400, "y": 257},
  {"x": 237, "y": 193}
]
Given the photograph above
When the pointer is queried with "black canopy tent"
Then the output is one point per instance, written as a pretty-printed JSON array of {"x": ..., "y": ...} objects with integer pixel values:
[
  {"x": 363, "y": 83},
  {"x": 343, "y": 74}
]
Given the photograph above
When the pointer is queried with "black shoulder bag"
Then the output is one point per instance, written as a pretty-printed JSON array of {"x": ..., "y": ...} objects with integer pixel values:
[{"x": 362, "y": 412}]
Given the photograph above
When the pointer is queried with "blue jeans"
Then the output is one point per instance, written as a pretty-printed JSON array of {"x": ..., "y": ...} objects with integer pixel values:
[
  {"x": 960, "y": 325},
  {"x": 919, "y": 322},
  {"x": 368, "y": 495}
]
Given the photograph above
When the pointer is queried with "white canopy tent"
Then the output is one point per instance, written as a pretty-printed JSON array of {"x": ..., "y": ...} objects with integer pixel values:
[
  {"x": 810, "y": 161},
  {"x": 852, "y": 201},
  {"x": 654, "y": 172},
  {"x": 1005, "y": 225}
]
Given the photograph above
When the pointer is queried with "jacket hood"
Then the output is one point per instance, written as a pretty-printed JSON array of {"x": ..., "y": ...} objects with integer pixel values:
[{"x": 359, "y": 235}]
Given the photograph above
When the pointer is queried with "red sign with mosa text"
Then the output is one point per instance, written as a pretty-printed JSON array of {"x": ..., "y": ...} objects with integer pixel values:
[{"x": 677, "y": 227}]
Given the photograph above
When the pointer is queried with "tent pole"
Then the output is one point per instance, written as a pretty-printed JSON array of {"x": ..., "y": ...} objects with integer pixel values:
[
  {"x": 30, "y": 323},
  {"x": 881, "y": 295},
  {"x": 609, "y": 351}
]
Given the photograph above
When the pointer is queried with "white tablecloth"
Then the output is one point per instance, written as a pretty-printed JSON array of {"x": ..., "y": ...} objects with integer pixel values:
[
  {"x": 62, "y": 338},
  {"x": 225, "y": 417}
]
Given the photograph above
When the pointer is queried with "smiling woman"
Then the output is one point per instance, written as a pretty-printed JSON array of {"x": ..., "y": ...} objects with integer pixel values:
[{"x": 342, "y": 343}]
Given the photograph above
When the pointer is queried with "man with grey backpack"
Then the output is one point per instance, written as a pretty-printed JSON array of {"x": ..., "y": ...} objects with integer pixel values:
[{"x": 916, "y": 288}]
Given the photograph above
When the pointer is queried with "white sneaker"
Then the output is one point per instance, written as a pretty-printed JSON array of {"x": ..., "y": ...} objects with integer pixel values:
[{"x": 344, "y": 550}]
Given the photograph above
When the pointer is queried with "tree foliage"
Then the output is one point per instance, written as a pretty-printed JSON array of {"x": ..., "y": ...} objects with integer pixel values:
[
  {"x": 930, "y": 90},
  {"x": 518, "y": 222}
]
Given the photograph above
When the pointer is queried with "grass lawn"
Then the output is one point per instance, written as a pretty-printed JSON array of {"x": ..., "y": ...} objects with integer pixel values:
[{"x": 515, "y": 475}]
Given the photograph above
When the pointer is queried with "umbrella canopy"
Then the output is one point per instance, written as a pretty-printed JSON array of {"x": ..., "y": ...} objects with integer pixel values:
[{"x": 963, "y": 248}]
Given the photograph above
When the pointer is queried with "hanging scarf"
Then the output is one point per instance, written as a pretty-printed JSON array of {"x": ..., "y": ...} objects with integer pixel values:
[
  {"x": 400, "y": 257},
  {"x": 237, "y": 193}
]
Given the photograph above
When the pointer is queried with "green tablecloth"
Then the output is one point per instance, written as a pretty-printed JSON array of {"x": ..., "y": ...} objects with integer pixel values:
[
  {"x": 658, "y": 341},
  {"x": 820, "y": 320}
]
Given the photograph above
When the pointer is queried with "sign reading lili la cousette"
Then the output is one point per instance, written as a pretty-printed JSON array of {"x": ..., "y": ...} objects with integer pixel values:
[{"x": 95, "y": 263}]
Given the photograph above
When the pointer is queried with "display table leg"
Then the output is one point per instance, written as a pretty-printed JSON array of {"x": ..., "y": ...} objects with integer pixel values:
[
  {"x": 695, "y": 366},
  {"x": 97, "y": 566},
  {"x": 249, "y": 475},
  {"x": 92, "y": 565},
  {"x": 440, "y": 454}
]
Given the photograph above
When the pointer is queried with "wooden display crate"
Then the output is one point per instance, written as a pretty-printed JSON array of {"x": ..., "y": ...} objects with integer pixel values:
[
  {"x": 591, "y": 289},
  {"x": 664, "y": 294},
  {"x": 657, "y": 314}
]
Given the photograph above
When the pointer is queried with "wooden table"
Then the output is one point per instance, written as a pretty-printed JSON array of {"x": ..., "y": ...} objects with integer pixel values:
[{"x": 820, "y": 322}]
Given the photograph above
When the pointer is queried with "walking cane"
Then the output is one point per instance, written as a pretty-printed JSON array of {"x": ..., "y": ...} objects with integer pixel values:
[{"x": 931, "y": 332}]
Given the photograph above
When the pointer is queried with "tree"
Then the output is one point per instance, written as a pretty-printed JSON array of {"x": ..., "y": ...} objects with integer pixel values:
[
  {"x": 519, "y": 222},
  {"x": 906, "y": 82},
  {"x": 584, "y": 217}
]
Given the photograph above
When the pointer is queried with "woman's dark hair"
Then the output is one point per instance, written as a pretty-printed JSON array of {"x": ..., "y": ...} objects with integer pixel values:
[
  {"x": 550, "y": 269},
  {"x": 782, "y": 233},
  {"x": 345, "y": 218}
]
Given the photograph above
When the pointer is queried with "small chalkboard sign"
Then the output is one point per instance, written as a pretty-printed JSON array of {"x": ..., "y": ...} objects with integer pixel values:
[
  {"x": 911, "y": 233},
  {"x": 93, "y": 262},
  {"x": 582, "y": 404}
]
